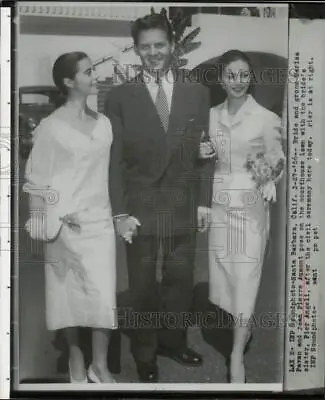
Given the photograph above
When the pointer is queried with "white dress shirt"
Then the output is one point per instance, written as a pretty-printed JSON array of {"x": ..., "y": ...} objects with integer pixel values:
[{"x": 167, "y": 84}]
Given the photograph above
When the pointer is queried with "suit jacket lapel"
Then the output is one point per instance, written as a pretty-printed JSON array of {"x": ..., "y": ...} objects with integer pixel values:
[
  {"x": 141, "y": 92},
  {"x": 174, "y": 109},
  {"x": 176, "y": 116},
  {"x": 178, "y": 111}
]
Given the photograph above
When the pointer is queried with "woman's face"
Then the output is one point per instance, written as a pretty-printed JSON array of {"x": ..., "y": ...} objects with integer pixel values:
[
  {"x": 85, "y": 80},
  {"x": 236, "y": 79}
]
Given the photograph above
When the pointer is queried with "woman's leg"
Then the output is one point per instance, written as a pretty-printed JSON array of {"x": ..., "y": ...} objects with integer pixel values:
[
  {"x": 76, "y": 358},
  {"x": 241, "y": 336},
  {"x": 100, "y": 341},
  {"x": 247, "y": 277}
]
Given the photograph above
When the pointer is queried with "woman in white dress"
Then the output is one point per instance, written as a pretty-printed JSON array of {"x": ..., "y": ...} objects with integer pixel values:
[
  {"x": 240, "y": 128},
  {"x": 67, "y": 182}
]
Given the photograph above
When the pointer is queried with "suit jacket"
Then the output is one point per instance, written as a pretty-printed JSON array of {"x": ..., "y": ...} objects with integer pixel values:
[{"x": 155, "y": 175}]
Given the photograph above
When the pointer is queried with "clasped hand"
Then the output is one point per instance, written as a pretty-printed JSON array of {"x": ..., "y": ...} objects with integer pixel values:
[
  {"x": 206, "y": 149},
  {"x": 204, "y": 215},
  {"x": 127, "y": 227},
  {"x": 72, "y": 221}
]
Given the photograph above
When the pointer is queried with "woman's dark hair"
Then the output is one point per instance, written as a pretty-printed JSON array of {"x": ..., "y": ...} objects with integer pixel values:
[
  {"x": 66, "y": 66},
  {"x": 152, "y": 21},
  {"x": 234, "y": 55}
]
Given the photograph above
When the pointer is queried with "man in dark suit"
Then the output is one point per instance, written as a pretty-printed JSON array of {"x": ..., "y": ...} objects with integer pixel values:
[{"x": 160, "y": 192}]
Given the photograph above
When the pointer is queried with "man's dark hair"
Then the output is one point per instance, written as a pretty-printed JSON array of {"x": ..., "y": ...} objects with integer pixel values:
[{"x": 152, "y": 21}]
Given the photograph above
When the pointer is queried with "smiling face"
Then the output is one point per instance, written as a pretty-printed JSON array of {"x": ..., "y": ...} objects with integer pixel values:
[
  {"x": 236, "y": 79},
  {"x": 85, "y": 80},
  {"x": 154, "y": 49}
]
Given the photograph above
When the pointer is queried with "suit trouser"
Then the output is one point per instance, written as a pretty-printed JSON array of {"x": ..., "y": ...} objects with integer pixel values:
[{"x": 161, "y": 312}]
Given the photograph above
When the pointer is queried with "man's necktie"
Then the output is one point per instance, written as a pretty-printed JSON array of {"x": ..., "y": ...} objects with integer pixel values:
[{"x": 162, "y": 105}]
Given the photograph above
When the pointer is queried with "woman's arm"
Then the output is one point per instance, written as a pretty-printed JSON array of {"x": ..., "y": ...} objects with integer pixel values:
[
  {"x": 38, "y": 174},
  {"x": 272, "y": 135},
  {"x": 38, "y": 168},
  {"x": 273, "y": 144}
]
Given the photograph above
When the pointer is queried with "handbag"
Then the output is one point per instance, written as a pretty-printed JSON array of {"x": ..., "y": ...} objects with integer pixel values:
[{"x": 43, "y": 225}]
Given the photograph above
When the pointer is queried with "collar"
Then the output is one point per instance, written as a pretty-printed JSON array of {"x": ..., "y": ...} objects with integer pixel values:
[
  {"x": 168, "y": 78},
  {"x": 249, "y": 107}
]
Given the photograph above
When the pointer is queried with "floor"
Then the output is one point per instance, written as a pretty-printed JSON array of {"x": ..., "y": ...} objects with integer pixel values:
[{"x": 37, "y": 357}]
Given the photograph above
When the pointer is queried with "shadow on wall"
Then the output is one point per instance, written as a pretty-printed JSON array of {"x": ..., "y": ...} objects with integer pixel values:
[{"x": 270, "y": 71}]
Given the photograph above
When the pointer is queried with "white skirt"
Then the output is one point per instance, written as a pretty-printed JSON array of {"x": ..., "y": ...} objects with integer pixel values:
[
  {"x": 237, "y": 242},
  {"x": 80, "y": 277}
]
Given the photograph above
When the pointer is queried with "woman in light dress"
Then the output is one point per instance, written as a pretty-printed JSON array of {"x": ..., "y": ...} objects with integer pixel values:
[
  {"x": 67, "y": 182},
  {"x": 239, "y": 229}
]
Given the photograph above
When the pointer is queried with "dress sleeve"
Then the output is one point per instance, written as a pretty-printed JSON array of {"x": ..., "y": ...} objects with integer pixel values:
[
  {"x": 40, "y": 161},
  {"x": 38, "y": 176},
  {"x": 272, "y": 134}
]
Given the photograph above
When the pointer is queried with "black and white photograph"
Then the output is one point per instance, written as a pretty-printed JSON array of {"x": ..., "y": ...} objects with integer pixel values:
[
  {"x": 152, "y": 196},
  {"x": 5, "y": 190}
]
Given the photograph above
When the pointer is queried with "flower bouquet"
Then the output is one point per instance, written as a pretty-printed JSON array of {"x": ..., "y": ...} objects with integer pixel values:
[{"x": 264, "y": 169}]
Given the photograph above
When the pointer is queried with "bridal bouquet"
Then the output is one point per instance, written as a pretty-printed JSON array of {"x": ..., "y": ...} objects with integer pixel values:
[{"x": 264, "y": 168}]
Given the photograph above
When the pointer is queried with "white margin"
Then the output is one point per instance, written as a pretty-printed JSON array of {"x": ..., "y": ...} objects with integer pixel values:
[
  {"x": 144, "y": 4},
  {"x": 5, "y": 203},
  {"x": 156, "y": 387},
  {"x": 302, "y": 33}
]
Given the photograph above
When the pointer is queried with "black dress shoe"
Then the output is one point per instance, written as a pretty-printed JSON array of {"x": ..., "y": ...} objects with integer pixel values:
[
  {"x": 148, "y": 372},
  {"x": 187, "y": 357}
]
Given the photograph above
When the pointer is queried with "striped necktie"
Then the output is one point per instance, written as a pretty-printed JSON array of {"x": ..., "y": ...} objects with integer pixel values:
[{"x": 162, "y": 105}]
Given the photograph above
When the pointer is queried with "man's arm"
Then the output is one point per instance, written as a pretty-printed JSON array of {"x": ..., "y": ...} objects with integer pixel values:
[
  {"x": 126, "y": 225},
  {"x": 206, "y": 166},
  {"x": 116, "y": 169}
]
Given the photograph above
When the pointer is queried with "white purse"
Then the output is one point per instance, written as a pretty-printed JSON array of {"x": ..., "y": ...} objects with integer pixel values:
[
  {"x": 46, "y": 224},
  {"x": 43, "y": 226}
]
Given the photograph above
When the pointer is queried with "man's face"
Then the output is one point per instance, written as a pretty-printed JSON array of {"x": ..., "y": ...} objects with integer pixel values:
[{"x": 154, "y": 49}]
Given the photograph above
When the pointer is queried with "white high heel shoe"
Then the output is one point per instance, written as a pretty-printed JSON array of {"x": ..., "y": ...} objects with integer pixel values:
[
  {"x": 236, "y": 375},
  {"x": 72, "y": 380},
  {"x": 93, "y": 377}
]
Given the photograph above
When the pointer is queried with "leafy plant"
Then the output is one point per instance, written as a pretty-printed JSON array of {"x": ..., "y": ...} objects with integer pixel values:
[{"x": 184, "y": 45}]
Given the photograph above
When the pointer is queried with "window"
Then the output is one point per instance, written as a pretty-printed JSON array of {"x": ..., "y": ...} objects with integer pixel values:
[{"x": 35, "y": 98}]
